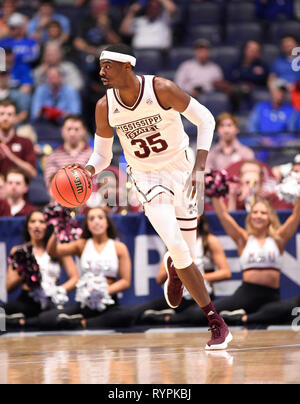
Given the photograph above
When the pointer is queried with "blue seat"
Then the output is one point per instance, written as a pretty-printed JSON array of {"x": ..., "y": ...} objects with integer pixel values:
[
  {"x": 149, "y": 61},
  {"x": 217, "y": 103},
  {"x": 241, "y": 12},
  {"x": 211, "y": 32},
  {"x": 279, "y": 29},
  {"x": 204, "y": 13},
  {"x": 239, "y": 33},
  {"x": 179, "y": 55}
]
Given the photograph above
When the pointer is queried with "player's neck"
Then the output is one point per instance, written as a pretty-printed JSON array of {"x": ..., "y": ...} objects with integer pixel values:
[{"x": 129, "y": 92}]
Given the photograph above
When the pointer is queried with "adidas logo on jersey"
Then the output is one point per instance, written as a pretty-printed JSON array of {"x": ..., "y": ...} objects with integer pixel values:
[{"x": 116, "y": 111}]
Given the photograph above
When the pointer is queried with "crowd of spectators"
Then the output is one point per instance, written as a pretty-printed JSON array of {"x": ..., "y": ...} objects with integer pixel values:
[{"x": 52, "y": 73}]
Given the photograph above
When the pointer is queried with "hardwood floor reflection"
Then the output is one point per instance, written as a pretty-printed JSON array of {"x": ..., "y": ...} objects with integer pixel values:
[{"x": 168, "y": 358}]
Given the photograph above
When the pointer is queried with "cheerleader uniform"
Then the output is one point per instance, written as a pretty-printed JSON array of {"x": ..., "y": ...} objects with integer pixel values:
[
  {"x": 26, "y": 303},
  {"x": 92, "y": 300}
]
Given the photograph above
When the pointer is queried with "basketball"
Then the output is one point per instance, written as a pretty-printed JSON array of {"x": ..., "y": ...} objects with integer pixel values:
[{"x": 71, "y": 187}]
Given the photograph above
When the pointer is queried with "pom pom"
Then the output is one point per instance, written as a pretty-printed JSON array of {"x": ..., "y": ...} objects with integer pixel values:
[
  {"x": 217, "y": 183},
  {"x": 66, "y": 228},
  {"x": 92, "y": 292},
  {"x": 25, "y": 263},
  {"x": 289, "y": 189}
]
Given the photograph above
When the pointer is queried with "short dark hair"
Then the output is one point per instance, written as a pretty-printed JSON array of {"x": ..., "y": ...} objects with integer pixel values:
[
  {"x": 8, "y": 103},
  {"x": 74, "y": 117},
  {"x": 16, "y": 170},
  {"x": 121, "y": 48}
]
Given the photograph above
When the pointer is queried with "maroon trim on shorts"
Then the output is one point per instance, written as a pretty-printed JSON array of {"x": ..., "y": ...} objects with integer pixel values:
[
  {"x": 186, "y": 220},
  {"x": 195, "y": 228},
  {"x": 162, "y": 186}
]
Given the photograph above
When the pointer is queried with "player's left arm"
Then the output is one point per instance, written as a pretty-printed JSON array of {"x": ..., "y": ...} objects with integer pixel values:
[{"x": 171, "y": 96}]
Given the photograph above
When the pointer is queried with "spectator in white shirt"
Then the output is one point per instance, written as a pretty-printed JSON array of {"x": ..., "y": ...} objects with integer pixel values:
[
  {"x": 199, "y": 75},
  {"x": 152, "y": 30}
]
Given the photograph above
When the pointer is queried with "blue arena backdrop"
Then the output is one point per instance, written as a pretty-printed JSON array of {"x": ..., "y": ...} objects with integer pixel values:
[{"x": 147, "y": 251}]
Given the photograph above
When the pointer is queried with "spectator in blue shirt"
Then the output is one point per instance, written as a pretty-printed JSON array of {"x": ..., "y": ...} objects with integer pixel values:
[
  {"x": 53, "y": 101},
  {"x": 283, "y": 66},
  {"x": 275, "y": 115},
  {"x": 25, "y": 50},
  {"x": 273, "y": 9},
  {"x": 37, "y": 27}
]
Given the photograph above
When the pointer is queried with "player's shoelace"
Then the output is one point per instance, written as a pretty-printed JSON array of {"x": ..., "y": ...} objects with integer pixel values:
[{"x": 215, "y": 330}]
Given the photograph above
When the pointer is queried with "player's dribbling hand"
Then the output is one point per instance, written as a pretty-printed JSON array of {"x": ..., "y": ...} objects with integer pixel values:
[
  {"x": 86, "y": 172},
  {"x": 195, "y": 189}
]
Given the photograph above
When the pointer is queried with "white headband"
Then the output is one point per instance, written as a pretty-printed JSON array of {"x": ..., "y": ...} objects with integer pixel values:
[{"x": 118, "y": 57}]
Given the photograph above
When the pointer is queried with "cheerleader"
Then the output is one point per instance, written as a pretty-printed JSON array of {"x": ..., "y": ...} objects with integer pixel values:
[
  {"x": 31, "y": 266},
  {"x": 105, "y": 268},
  {"x": 260, "y": 247}
]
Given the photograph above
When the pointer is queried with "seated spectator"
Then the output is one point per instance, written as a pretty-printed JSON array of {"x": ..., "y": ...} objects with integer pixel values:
[
  {"x": 53, "y": 57},
  {"x": 247, "y": 74},
  {"x": 42, "y": 293},
  {"x": 253, "y": 186},
  {"x": 153, "y": 29},
  {"x": 20, "y": 74},
  {"x": 228, "y": 150},
  {"x": 75, "y": 147},
  {"x": 272, "y": 10},
  {"x": 7, "y": 9},
  {"x": 199, "y": 75},
  {"x": 4, "y": 206},
  {"x": 37, "y": 27},
  {"x": 55, "y": 32},
  {"x": 14, "y": 150},
  {"x": 281, "y": 68},
  {"x": 276, "y": 115},
  {"x": 284, "y": 170},
  {"x": 53, "y": 101},
  {"x": 96, "y": 30},
  {"x": 26, "y": 50},
  {"x": 17, "y": 188},
  {"x": 21, "y": 100}
]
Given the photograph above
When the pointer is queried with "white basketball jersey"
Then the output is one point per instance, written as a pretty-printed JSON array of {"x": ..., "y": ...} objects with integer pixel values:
[{"x": 151, "y": 136}]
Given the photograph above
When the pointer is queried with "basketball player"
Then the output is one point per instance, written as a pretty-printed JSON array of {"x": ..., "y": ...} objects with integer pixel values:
[{"x": 145, "y": 110}]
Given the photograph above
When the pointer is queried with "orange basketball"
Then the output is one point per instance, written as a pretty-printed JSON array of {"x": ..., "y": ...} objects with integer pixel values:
[{"x": 71, "y": 187}]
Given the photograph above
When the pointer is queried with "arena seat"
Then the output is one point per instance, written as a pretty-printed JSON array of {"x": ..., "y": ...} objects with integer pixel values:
[
  {"x": 216, "y": 102},
  {"x": 239, "y": 33},
  {"x": 149, "y": 60},
  {"x": 37, "y": 194},
  {"x": 204, "y": 13},
  {"x": 179, "y": 55},
  {"x": 212, "y": 32},
  {"x": 241, "y": 12},
  {"x": 225, "y": 56},
  {"x": 269, "y": 53},
  {"x": 279, "y": 29}
]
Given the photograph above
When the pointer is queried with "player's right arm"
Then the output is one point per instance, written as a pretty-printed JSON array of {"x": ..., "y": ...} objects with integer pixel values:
[{"x": 102, "y": 154}]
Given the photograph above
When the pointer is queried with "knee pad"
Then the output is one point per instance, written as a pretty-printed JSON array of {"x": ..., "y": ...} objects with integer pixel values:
[{"x": 180, "y": 254}]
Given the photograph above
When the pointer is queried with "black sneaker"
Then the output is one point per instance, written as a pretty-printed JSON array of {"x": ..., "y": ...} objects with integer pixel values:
[
  {"x": 233, "y": 317},
  {"x": 66, "y": 322},
  {"x": 13, "y": 320},
  {"x": 157, "y": 317}
]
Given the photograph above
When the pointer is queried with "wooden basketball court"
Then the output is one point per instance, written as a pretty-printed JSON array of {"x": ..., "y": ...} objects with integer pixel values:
[{"x": 157, "y": 356}]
